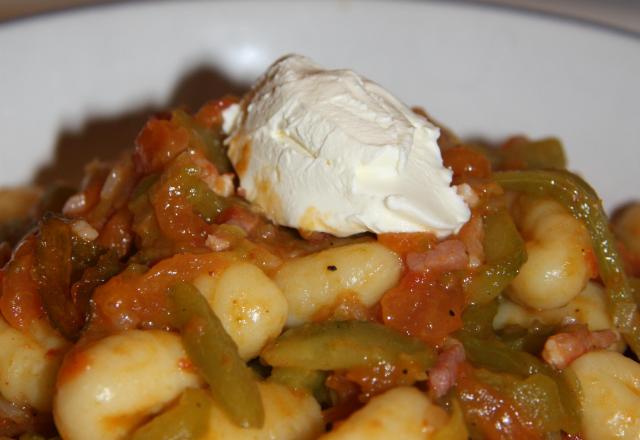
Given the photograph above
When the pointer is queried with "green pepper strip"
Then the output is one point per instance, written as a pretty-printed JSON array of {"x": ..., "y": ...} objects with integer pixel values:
[
  {"x": 537, "y": 396},
  {"x": 204, "y": 201},
  {"x": 188, "y": 420},
  {"x": 583, "y": 202},
  {"x": 145, "y": 224},
  {"x": 54, "y": 250},
  {"x": 477, "y": 319},
  {"x": 205, "y": 140},
  {"x": 542, "y": 154},
  {"x": 215, "y": 355},
  {"x": 505, "y": 253},
  {"x": 495, "y": 356},
  {"x": 334, "y": 345},
  {"x": 311, "y": 381}
]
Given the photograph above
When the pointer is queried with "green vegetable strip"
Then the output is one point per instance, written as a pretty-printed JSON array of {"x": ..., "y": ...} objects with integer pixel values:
[
  {"x": 188, "y": 420},
  {"x": 495, "y": 356},
  {"x": 215, "y": 355},
  {"x": 204, "y": 201},
  {"x": 54, "y": 250},
  {"x": 584, "y": 204},
  {"x": 543, "y": 154},
  {"x": 505, "y": 253},
  {"x": 344, "y": 344},
  {"x": 311, "y": 381},
  {"x": 205, "y": 140},
  {"x": 477, "y": 319},
  {"x": 537, "y": 396},
  {"x": 107, "y": 266}
]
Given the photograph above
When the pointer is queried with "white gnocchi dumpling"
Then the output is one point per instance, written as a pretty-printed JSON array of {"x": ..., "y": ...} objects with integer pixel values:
[
  {"x": 556, "y": 269},
  {"x": 589, "y": 308},
  {"x": 315, "y": 282},
  {"x": 249, "y": 304},
  {"x": 289, "y": 415},
  {"x": 29, "y": 364},
  {"x": 402, "y": 413},
  {"x": 611, "y": 395},
  {"x": 108, "y": 388}
]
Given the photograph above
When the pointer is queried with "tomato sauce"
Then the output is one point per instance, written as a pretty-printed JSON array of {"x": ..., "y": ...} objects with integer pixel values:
[{"x": 420, "y": 306}]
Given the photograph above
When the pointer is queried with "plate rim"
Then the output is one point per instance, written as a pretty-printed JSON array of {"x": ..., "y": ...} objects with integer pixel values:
[{"x": 522, "y": 10}]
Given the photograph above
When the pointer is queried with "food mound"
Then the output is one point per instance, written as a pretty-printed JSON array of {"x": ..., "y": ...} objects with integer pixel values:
[{"x": 315, "y": 260}]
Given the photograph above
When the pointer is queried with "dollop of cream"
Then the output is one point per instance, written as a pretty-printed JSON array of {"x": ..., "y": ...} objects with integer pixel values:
[{"x": 330, "y": 151}]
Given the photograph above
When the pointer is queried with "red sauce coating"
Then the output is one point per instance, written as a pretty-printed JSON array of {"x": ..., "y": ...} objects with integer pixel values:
[{"x": 420, "y": 306}]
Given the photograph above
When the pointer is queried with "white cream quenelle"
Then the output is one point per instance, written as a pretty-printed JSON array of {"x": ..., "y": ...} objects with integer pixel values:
[{"x": 328, "y": 150}]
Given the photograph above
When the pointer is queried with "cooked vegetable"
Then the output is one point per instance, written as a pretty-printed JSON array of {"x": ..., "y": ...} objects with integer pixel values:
[
  {"x": 186, "y": 421},
  {"x": 202, "y": 138},
  {"x": 530, "y": 340},
  {"x": 537, "y": 396},
  {"x": 497, "y": 357},
  {"x": 311, "y": 381},
  {"x": 477, "y": 319},
  {"x": 505, "y": 253},
  {"x": 215, "y": 355},
  {"x": 491, "y": 413},
  {"x": 106, "y": 266},
  {"x": 53, "y": 272},
  {"x": 204, "y": 201},
  {"x": 545, "y": 153},
  {"x": 145, "y": 224},
  {"x": 584, "y": 204},
  {"x": 344, "y": 344}
]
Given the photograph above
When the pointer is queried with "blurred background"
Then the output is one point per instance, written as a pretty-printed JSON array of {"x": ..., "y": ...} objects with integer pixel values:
[{"x": 622, "y": 14}]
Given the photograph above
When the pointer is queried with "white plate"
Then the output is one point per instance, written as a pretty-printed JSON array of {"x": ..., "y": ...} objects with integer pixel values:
[{"x": 68, "y": 81}]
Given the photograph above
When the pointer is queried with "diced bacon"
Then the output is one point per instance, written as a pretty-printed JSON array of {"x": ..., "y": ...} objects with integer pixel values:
[
  {"x": 445, "y": 256},
  {"x": 84, "y": 230},
  {"x": 223, "y": 185},
  {"x": 444, "y": 373},
  {"x": 468, "y": 195},
  {"x": 563, "y": 348},
  {"x": 75, "y": 205},
  {"x": 216, "y": 243},
  {"x": 119, "y": 181}
]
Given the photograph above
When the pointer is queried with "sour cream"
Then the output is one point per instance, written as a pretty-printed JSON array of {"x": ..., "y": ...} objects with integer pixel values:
[{"x": 330, "y": 151}]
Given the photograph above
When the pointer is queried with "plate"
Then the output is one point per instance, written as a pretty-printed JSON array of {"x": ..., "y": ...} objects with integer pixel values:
[{"x": 80, "y": 84}]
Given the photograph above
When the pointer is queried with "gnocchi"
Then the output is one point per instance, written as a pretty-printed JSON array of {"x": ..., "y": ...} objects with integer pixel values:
[
  {"x": 402, "y": 412},
  {"x": 190, "y": 312},
  {"x": 289, "y": 415},
  {"x": 610, "y": 386},
  {"x": 250, "y": 306},
  {"x": 589, "y": 307},
  {"x": 109, "y": 387},
  {"x": 315, "y": 282},
  {"x": 29, "y": 364},
  {"x": 556, "y": 270}
]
